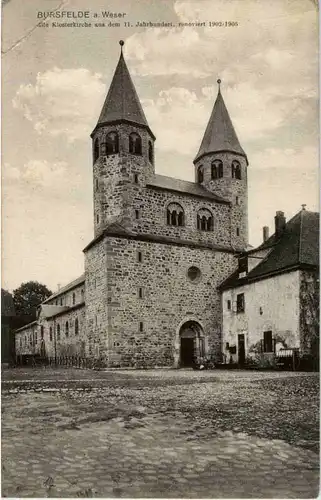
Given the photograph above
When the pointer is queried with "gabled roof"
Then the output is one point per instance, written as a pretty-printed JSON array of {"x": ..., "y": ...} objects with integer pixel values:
[
  {"x": 297, "y": 247},
  {"x": 70, "y": 286},
  {"x": 220, "y": 134},
  {"x": 185, "y": 187},
  {"x": 122, "y": 101}
]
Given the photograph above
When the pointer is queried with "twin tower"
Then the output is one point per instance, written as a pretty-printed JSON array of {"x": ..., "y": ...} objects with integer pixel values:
[{"x": 124, "y": 160}]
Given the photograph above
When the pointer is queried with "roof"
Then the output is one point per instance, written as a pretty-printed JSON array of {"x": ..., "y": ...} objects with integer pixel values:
[
  {"x": 49, "y": 310},
  {"x": 28, "y": 325},
  {"x": 66, "y": 288},
  {"x": 7, "y": 305},
  {"x": 220, "y": 134},
  {"x": 122, "y": 101},
  {"x": 185, "y": 187},
  {"x": 297, "y": 247}
]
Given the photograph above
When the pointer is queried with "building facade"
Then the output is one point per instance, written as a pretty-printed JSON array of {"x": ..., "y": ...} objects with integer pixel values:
[
  {"x": 270, "y": 304},
  {"x": 162, "y": 246}
]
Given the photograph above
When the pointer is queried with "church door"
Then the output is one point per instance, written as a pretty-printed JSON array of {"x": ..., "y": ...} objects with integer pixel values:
[{"x": 187, "y": 352}]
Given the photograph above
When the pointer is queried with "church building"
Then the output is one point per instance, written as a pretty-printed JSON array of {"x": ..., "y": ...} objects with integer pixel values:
[{"x": 149, "y": 294}]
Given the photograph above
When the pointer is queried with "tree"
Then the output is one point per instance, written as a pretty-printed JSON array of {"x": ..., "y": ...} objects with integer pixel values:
[{"x": 27, "y": 298}]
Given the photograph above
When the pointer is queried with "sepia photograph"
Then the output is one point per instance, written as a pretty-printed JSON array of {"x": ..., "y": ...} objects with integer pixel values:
[{"x": 160, "y": 249}]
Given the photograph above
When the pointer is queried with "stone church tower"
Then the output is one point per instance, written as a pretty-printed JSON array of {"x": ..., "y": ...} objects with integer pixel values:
[
  {"x": 221, "y": 167},
  {"x": 161, "y": 245}
]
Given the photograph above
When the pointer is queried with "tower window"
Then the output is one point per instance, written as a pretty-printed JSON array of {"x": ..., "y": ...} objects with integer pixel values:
[
  {"x": 175, "y": 215},
  {"x": 237, "y": 201},
  {"x": 137, "y": 214},
  {"x": 97, "y": 218},
  {"x": 82, "y": 294},
  {"x": 141, "y": 326},
  {"x": 76, "y": 326},
  {"x": 41, "y": 332},
  {"x": 236, "y": 170},
  {"x": 217, "y": 169},
  {"x": 67, "y": 329},
  {"x": 112, "y": 143},
  {"x": 135, "y": 144},
  {"x": 205, "y": 220},
  {"x": 140, "y": 293},
  {"x": 200, "y": 175},
  {"x": 96, "y": 184},
  {"x": 237, "y": 231},
  {"x": 150, "y": 152},
  {"x": 140, "y": 257},
  {"x": 136, "y": 178},
  {"x": 96, "y": 150}
]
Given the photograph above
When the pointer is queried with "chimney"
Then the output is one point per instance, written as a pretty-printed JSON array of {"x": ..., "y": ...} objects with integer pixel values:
[
  {"x": 265, "y": 233},
  {"x": 280, "y": 223}
]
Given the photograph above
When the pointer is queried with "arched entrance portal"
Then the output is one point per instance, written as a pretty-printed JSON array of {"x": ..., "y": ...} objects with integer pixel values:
[{"x": 191, "y": 343}]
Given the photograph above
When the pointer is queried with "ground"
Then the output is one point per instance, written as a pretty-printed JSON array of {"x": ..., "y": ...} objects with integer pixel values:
[{"x": 159, "y": 433}]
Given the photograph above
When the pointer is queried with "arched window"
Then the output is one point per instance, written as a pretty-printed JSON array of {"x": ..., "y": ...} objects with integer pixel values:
[
  {"x": 67, "y": 329},
  {"x": 236, "y": 170},
  {"x": 41, "y": 331},
  {"x": 175, "y": 215},
  {"x": 50, "y": 333},
  {"x": 200, "y": 175},
  {"x": 150, "y": 152},
  {"x": 205, "y": 221},
  {"x": 216, "y": 169},
  {"x": 96, "y": 150},
  {"x": 76, "y": 326},
  {"x": 73, "y": 299},
  {"x": 112, "y": 143},
  {"x": 58, "y": 332},
  {"x": 135, "y": 144}
]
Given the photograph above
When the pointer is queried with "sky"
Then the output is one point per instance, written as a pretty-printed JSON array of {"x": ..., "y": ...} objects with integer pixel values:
[{"x": 54, "y": 82}]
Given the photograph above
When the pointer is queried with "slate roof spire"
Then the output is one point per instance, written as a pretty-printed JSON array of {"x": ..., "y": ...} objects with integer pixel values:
[
  {"x": 122, "y": 101},
  {"x": 219, "y": 134}
]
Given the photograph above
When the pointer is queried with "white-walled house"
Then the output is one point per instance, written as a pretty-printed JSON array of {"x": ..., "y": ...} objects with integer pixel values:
[{"x": 271, "y": 301}]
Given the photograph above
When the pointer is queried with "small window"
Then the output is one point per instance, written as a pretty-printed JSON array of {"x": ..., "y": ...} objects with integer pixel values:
[
  {"x": 41, "y": 331},
  {"x": 135, "y": 144},
  {"x": 194, "y": 273},
  {"x": 136, "y": 214},
  {"x": 36, "y": 338},
  {"x": 76, "y": 326},
  {"x": 140, "y": 293},
  {"x": 97, "y": 218},
  {"x": 50, "y": 333},
  {"x": 237, "y": 231},
  {"x": 96, "y": 184},
  {"x": 73, "y": 299},
  {"x": 112, "y": 143},
  {"x": 67, "y": 329},
  {"x": 141, "y": 326},
  {"x": 58, "y": 332},
  {"x": 243, "y": 264},
  {"x": 136, "y": 178},
  {"x": 240, "y": 304},
  {"x": 139, "y": 256},
  {"x": 227, "y": 346},
  {"x": 236, "y": 170},
  {"x": 96, "y": 150},
  {"x": 61, "y": 301},
  {"x": 217, "y": 169},
  {"x": 150, "y": 152},
  {"x": 20, "y": 342},
  {"x": 267, "y": 341},
  {"x": 229, "y": 305},
  {"x": 237, "y": 201},
  {"x": 175, "y": 215},
  {"x": 200, "y": 174},
  {"x": 82, "y": 295}
]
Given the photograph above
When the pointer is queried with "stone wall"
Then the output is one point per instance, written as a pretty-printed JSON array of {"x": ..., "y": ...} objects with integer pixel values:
[{"x": 143, "y": 325}]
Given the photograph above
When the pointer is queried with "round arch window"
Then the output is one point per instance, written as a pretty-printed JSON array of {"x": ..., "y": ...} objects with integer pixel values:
[{"x": 194, "y": 273}]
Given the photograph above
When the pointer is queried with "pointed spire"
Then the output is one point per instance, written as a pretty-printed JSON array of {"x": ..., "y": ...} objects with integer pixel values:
[
  {"x": 219, "y": 134},
  {"x": 122, "y": 101}
]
